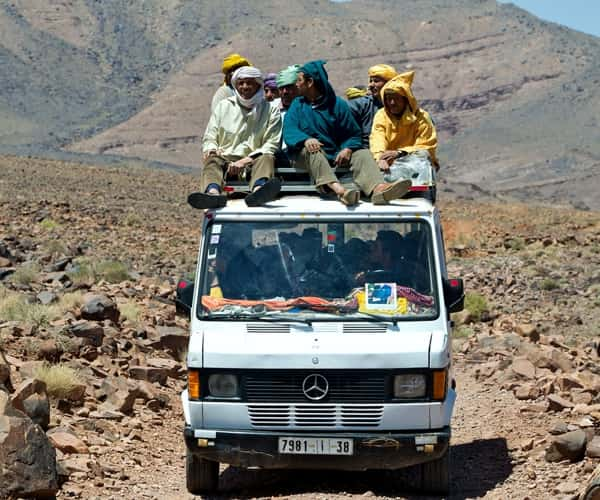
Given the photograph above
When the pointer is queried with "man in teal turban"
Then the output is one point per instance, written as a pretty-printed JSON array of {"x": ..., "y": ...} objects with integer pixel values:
[{"x": 320, "y": 131}]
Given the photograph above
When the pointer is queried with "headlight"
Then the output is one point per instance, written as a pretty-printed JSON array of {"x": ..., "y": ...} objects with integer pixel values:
[
  {"x": 223, "y": 386},
  {"x": 410, "y": 386}
]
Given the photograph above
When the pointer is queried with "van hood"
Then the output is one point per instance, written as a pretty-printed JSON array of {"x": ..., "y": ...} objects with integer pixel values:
[{"x": 320, "y": 345}]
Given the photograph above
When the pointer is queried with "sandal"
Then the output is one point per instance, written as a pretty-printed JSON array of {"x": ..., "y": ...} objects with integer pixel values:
[
  {"x": 205, "y": 200},
  {"x": 267, "y": 192},
  {"x": 350, "y": 197},
  {"x": 394, "y": 191}
]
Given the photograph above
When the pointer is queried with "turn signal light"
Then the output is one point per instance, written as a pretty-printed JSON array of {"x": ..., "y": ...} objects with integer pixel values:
[
  {"x": 194, "y": 384},
  {"x": 439, "y": 385}
]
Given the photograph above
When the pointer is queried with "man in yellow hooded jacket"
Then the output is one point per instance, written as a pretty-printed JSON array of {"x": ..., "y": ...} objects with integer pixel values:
[{"x": 401, "y": 127}]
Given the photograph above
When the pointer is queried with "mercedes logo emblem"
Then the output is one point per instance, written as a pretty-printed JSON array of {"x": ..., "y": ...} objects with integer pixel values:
[{"x": 315, "y": 387}]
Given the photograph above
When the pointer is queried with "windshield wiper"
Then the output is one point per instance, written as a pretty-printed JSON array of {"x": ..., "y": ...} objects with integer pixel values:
[
  {"x": 381, "y": 317},
  {"x": 269, "y": 318}
]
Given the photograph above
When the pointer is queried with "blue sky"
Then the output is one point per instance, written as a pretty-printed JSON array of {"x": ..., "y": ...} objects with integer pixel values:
[{"x": 582, "y": 15}]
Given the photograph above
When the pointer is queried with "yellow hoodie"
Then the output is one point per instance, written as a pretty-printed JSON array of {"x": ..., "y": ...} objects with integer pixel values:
[{"x": 413, "y": 131}]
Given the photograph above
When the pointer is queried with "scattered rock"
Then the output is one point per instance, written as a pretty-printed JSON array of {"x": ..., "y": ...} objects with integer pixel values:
[
  {"x": 99, "y": 308},
  {"x": 558, "y": 403},
  {"x": 45, "y": 298},
  {"x": 593, "y": 448},
  {"x": 67, "y": 442},
  {"x": 524, "y": 368},
  {"x": 27, "y": 458},
  {"x": 570, "y": 445},
  {"x": 31, "y": 398},
  {"x": 91, "y": 333}
]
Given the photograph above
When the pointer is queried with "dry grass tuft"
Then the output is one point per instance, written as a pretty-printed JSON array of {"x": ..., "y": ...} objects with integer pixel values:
[
  {"x": 26, "y": 274},
  {"x": 60, "y": 379},
  {"x": 87, "y": 271},
  {"x": 14, "y": 307},
  {"x": 131, "y": 311}
]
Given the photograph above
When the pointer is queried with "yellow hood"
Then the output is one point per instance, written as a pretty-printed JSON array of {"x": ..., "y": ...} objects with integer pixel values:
[{"x": 401, "y": 85}]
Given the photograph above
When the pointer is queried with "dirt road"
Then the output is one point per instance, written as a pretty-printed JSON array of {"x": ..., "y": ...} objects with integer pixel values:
[{"x": 488, "y": 424}]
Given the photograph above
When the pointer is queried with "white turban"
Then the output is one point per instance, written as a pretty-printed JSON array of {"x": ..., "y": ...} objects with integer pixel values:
[{"x": 247, "y": 72}]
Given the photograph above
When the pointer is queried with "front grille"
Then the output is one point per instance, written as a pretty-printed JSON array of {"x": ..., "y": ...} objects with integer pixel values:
[
  {"x": 312, "y": 416},
  {"x": 273, "y": 386},
  {"x": 277, "y": 328}
]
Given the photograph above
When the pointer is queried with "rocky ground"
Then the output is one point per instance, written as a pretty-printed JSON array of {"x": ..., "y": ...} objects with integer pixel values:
[{"x": 94, "y": 356}]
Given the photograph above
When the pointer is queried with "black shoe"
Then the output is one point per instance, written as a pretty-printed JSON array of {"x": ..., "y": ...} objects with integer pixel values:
[
  {"x": 205, "y": 200},
  {"x": 267, "y": 192}
]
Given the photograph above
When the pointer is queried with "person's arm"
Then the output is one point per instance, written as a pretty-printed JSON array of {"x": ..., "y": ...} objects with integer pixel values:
[
  {"x": 293, "y": 135},
  {"x": 377, "y": 140},
  {"x": 426, "y": 136},
  {"x": 210, "y": 138}
]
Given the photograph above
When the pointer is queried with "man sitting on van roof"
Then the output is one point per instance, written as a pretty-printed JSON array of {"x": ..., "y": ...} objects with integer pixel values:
[
  {"x": 242, "y": 135},
  {"x": 401, "y": 127},
  {"x": 319, "y": 130},
  {"x": 364, "y": 108},
  {"x": 230, "y": 64}
]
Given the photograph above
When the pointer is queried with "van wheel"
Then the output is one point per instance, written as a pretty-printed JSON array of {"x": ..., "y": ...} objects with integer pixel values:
[
  {"x": 435, "y": 475},
  {"x": 202, "y": 476}
]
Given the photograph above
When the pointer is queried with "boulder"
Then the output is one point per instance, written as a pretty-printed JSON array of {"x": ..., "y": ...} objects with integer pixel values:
[
  {"x": 31, "y": 398},
  {"x": 171, "y": 339},
  {"x": 98, "y": 308},
  {"x": 91, "y": 333},
  {"x": 45, "y": 298},
  {"x": 593, "y": 448},
  {"x": 570, "y": 445},
  {"x": 5, "y": 381},
  {"x": 66, "y": 441},
  {"x": 27, "y": 458},
  {"x": 149, "y": 373},
  {"x": 558, "y": 403},
  {"x": 523, "y": 368}
]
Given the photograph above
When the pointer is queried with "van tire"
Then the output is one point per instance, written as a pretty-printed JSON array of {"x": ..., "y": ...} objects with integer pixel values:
[
  {"x": 202, "y": 476},
  {"x": 435, "y": 475}
]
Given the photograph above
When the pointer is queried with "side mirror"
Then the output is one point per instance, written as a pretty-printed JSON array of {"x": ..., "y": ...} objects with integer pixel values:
[
  {"x": 184, "y": 297},
  {"x": 454, "y": 294}
]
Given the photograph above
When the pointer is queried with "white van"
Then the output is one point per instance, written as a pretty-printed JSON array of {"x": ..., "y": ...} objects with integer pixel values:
[{"x": 320, "y": 338}]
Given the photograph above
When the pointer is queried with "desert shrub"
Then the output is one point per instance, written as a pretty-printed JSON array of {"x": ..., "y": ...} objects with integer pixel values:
[
  {"x": 549, "y": 284},
  {"x": 49, "y": 225},
  {"x": 112, "y": 271},
  {"x": 131, "y": 312},
  {"x": 54, "y": 247},
  {"x": 516, "y": 244},
  {"x": 462, "y": 332},
  {"x": 70, "y": 301},
  {"x": 82, "y": 272},
  {"x": 476, "y": 304},
  {"x": 132, "y": 219},
  {"x": 14, "y": 307},
  {"x": 87, "y": 271},
  {"x": 60, "y": 379},
  {"x": 26, "y": 274}
]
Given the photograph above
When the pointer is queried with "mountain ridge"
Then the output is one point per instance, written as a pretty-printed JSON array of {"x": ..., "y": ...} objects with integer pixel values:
[{"x": 514, "y": 98}]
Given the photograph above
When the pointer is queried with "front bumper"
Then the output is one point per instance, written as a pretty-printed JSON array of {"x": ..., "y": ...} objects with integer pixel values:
[{"x": 376, "y": 450}]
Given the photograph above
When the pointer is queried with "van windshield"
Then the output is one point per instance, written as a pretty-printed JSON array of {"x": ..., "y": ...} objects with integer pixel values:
[{"x": 318, "y": 271}]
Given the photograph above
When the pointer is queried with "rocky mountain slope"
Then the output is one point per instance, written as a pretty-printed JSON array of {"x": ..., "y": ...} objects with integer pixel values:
[
  {"x": 92, "y": 356},
  {"x": 515, "y": 99}
]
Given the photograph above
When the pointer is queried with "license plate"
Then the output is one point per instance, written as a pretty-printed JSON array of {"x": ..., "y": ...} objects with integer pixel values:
[{"x": 315, "y": 446}]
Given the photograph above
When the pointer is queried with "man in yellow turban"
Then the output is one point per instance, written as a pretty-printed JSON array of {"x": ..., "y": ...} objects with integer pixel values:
[
  {"x": 230, "y": 64},
  {"x": 364, "y": 108},
  {"x": 401, "y": 126}
]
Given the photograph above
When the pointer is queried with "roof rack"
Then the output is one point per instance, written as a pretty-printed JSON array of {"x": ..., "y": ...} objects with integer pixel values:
[{"x": 297, "y": 181}]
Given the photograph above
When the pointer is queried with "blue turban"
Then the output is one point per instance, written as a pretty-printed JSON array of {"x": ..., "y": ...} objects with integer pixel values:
[{"x": 316, "y": 71}]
